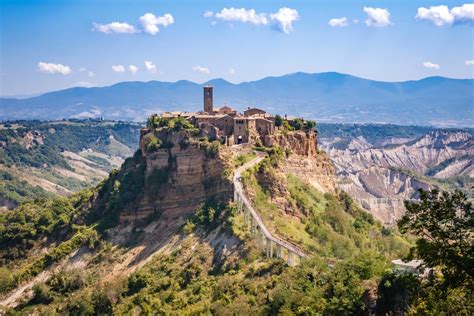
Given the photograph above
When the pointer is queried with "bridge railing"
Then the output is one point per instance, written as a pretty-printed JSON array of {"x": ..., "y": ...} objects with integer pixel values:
[{"x": 271, "y": 245}]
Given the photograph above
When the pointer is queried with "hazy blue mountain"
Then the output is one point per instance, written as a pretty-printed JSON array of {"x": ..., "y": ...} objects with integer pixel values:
[{"x": 331, "y": 97}]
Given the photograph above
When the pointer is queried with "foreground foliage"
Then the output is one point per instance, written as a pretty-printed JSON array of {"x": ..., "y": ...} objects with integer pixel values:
[{"x": 443, "y": 223}]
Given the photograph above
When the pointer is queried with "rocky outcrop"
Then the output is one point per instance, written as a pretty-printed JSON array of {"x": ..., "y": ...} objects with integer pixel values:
[
  {"x": 303, "y": 143},
  {"x": 180, "y": 176},
  {"x": 303, "y": 158},
  {"x": 317, "y": 169}
]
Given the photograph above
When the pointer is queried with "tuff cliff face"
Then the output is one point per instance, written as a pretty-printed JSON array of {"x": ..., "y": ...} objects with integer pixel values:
[
  {"x": 304, "y": 143},
  {"x": 182, "y": 171},
  {"x": 180, "y": 175},
  {"x": 305, "y": 160}
]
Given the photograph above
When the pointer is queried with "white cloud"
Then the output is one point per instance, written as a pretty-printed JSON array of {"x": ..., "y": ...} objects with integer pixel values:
[
  {"x": 430, "y": 65},
  {"x": 51, "y": 68},
  {"x": 284, "y": 19},
  {"x": 208, "y": 14},
  {"x": 118, "y": 68},
  {"x": 115, "y": 27},
  {"x": 469, "y": 62},
  {"x": 150, "y": 22},
  {"x": 84, "y": 84},
  {"x": 202, "y": 70},
  {"x": 464, "y": 13},
  {"x": 133, "y": 69},
  {"x": 241, "y": 15},
  {"x": 231, "y": 71},
  {"x": 377, "y": 17},
  {"x": 338, "y": 22},
  {"x": 441, "y": 15},
  {"x": 89, "y": 73},
  {"x": 151, "y": 67}
]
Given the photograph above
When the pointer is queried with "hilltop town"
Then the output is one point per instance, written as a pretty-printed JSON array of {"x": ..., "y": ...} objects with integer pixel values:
[{"x": 254, "y": 125}]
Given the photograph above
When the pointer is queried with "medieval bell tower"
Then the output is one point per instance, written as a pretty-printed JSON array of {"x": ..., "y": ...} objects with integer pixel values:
[{"x": 208, "y": 106}]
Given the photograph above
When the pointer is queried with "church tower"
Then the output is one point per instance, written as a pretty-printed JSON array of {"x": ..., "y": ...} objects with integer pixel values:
[{"x": 208, "y": 106}]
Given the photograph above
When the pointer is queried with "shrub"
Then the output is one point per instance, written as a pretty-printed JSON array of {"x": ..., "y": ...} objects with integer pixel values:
[
  {"x": 41, "y": 294},
  {"x": 278, "y": 120}
]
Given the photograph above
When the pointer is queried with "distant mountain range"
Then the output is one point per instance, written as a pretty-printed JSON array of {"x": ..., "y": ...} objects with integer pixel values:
[{"x": 326, "y": 97}]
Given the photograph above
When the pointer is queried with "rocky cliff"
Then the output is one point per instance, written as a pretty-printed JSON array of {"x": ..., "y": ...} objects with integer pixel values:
[
  {"x": 305, "y": 160},
  {"x": 180, "y": 175}
]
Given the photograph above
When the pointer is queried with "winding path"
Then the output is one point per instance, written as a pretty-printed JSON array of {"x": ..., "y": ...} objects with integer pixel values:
[{"x": 270, "y": 244}]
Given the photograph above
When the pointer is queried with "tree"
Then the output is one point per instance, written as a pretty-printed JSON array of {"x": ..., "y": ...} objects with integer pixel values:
[
  {"x": 444, "y": 223},
  {"x": 310, "y": 124},
  {"x": 298, "y": 124},
  {"x": 278, "y": 120}
]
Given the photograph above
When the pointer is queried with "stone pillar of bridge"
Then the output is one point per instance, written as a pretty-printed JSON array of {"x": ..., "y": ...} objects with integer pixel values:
[
  {"x": 290, "y": 258},
  {"x": 270, "y": 248}
]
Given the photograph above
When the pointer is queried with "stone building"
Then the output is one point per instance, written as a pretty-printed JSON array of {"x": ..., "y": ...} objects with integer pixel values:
[{"x": 230, "y": 126}]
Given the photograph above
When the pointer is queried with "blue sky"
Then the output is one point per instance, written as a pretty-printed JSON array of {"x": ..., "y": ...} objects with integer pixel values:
[{"x": 55, "y": 44}]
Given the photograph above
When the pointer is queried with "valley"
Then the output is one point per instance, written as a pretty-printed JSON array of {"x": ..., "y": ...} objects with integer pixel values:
[
  {"x": 381, "y": 172},
  {"x": 59, "y": 157},
  {"x": 161, "y": 232}
]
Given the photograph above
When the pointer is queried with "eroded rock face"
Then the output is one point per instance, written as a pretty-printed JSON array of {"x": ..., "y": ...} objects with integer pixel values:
[
  {"x": 180, "y": 177},
  {"x": 381, "y": 177},
  {"x": 316, "y": 169},
  {"x": 303, "y": 143},
  {"x": 304, "y": 160}
]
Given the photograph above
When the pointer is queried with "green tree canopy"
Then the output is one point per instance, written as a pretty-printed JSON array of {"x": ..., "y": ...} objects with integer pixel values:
[{"x": 444, "y": 224}]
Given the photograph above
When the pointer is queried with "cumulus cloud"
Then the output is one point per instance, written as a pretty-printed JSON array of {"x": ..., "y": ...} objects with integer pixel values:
[
  {"x": 464, "y": 13},
  {"x": 202, "y": 70},
  {"x": 150, "y": 22},
  {"x": 84, "y": 84},
  {"x": 89, "y": 73},
  {"x": 377, "y": 17},
  {"x": 115, "y": 27},
  {"x": 469, "y": 62},
  {"x": 133, "y": 69},
  {"x": 439, "y": 15},
  {"x": 338, "y": 22},
  {"x": 231, "y": 71},
  {"x": 118, "y": 68},
  {"x": 151, "y": 67},
  {"x": 51, "y": 68},
  {"x": 442, "y": 15},
  {"x": 241, "y": 15},
  {"x": 430, "y": 65},
  {"x": 208, "y": 14},
  {"x": 284, "y": 18}
]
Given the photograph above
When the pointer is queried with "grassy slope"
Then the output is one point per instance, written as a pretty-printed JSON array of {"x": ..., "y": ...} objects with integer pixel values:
[{"x": 331, "y": 226}]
